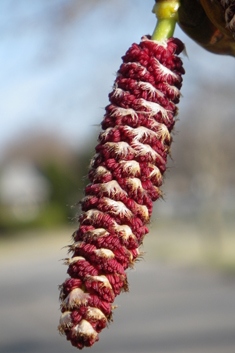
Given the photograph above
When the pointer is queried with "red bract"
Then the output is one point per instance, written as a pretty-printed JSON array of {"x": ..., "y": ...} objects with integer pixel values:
[{"x": 125, "y": 176}]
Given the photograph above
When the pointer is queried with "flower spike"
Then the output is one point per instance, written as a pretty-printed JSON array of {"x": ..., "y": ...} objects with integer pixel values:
[{"x": 125, "y": 178}]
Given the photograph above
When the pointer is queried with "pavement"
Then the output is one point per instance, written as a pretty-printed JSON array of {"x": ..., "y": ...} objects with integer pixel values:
[{"x": 169, "y": 309}]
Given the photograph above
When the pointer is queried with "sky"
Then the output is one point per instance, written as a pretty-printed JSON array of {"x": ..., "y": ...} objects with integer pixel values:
[{"x": 56, "y": 77}]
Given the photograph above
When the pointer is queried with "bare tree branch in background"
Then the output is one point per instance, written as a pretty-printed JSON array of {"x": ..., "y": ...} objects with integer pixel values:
[
  {"x": 54, "y": 18},
  {"x": 58, "y": 14}
]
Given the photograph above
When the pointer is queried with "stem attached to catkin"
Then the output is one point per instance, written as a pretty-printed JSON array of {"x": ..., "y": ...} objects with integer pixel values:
[
  {"x": 125, "y": 176},
  {"x": 167, "y": 15}
]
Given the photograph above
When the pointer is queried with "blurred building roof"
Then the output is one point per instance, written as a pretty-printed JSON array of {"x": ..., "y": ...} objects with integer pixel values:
[
  {"x": 21, "y": 182},
  {"x": 23, "y": 189}
]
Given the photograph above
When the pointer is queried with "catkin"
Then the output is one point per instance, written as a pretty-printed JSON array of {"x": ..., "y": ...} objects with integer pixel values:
[{"x": 125, "y": 178}]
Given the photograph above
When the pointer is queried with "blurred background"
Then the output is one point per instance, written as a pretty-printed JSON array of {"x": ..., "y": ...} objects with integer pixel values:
[{"x": 58, "y": 61}]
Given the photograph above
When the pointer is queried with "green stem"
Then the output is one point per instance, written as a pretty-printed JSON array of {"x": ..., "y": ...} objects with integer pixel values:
[
  {"x": 167, "y": 15},
  {"x": 164, "y": 29}
]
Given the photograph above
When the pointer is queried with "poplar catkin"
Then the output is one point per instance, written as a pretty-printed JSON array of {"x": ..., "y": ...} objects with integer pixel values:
[{"x": 125, "y": 178}]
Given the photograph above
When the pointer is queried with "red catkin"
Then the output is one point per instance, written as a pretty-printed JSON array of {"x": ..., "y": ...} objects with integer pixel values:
[{"x": 126, "y": 174}]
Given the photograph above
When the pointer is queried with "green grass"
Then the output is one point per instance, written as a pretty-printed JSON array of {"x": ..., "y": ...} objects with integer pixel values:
[
  {"x": 187, "y": 242},
  {"x": 180, "y": 242}
]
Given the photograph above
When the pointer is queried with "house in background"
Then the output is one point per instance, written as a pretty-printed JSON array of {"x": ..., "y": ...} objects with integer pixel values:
[{"x": 23, "y": 189}]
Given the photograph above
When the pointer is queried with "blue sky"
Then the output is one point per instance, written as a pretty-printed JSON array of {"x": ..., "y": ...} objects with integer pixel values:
[{"x": 59, "y": 80}]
